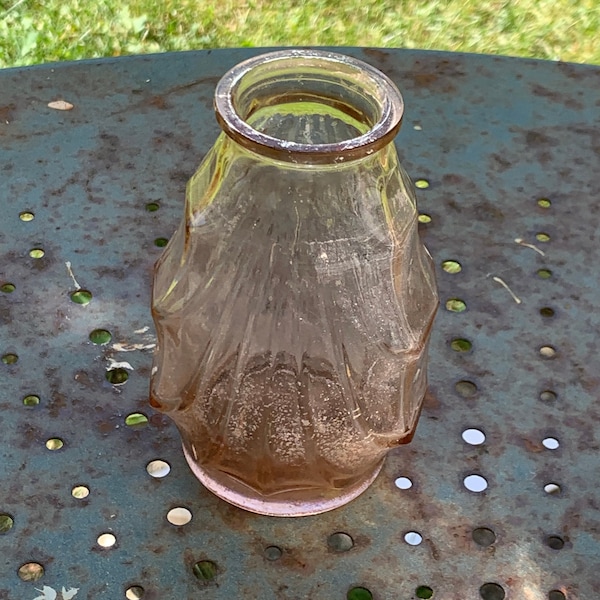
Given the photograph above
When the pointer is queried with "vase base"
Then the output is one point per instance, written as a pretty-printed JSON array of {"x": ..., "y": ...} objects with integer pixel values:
[{"x": 229, "y": 489}]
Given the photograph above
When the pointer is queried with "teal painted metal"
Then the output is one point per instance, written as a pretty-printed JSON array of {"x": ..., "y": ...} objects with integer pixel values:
[{"x": 489, "y": 137}]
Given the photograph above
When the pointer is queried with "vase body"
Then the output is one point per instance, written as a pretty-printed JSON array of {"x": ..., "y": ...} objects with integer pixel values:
[{"x": 294, "y": 303}]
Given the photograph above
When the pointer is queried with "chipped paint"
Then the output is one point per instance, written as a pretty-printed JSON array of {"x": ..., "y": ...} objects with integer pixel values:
[
  {"x": 49, "y": 593},
  {"x": 113, "y": 364},
  {"x": 121, "y": 347}
]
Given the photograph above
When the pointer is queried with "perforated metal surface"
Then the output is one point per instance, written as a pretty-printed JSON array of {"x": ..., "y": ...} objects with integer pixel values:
[{"x": 487, "y": 139}]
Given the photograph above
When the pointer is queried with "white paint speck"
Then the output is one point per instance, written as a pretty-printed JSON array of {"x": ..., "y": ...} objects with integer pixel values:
[
  {"x": 120, "y": 347},
  {"x": 49, "y": 593},
  {"x": 113, "y": 364},
  {"x": 60, "y": 105}
]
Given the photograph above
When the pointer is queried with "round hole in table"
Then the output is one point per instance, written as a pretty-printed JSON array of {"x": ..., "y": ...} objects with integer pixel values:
[
  {"x": 424, "y": 591},
  {"x": 483, "y": 536},
  {"x": 54, "y": 444},
  {"x": 547, "y": 352},
  {"x": 100, "y": 336},
  {"x": 403, "y": 483},
  {"x": 82, "y": 297},
  {"x": 456, "y": 305},
  {"x": 6, "y": 522},
  {"x": 548, "y": 396},
  {"x": 80, "y": 492},
  {"x": 10, "y": 358},
  {"x": 475, "y": 483},
  {"x": 273, "y": 553},
  {"x": 205, "y": 570},
  {"x": 461, "y": 345},
  {"x": 158, "y": 468},
  {"x": 552, "y": 489},
  {"x": 413, "y": 538},
  {"x": 340, "y": 542},
  {"x": 359, "y": 593},
  {"x": 544, "y": 273},
  {"x": 136, "y": 420},
  {"x": 467, "y": 389},
  {"x": 492, "y": 591},
  {"x": 452, "y": 266},
  {"x": 31, "y": 571},
  {"x": 473, "y": 437},
  {"x": 117, "y": 376},
  {"x": 106, "y": 540},
  {"x": 135, "y": 592},
  {"x": 179, "y": 516},
  {"x": 555, "y": 542},
  {"x": 550, "y": 443},
  {"x": 31, "y": 400}
]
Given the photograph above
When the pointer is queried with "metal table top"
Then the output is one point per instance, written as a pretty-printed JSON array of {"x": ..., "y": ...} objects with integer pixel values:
[{"x": 497, "y": 496}]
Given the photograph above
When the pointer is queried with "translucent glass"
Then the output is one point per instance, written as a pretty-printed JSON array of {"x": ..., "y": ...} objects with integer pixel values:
[{"x": 294, "y": 303}]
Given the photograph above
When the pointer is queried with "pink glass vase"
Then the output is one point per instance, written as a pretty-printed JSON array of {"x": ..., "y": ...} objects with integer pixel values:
[{"x": 294, "y": 303}]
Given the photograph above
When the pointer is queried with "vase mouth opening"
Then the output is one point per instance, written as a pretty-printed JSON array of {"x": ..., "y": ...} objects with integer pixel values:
[{"x": 308, "y": 106}]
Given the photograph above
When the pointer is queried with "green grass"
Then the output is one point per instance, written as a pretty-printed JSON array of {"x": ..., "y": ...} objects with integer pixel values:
[{"x": 36, "y": 31}]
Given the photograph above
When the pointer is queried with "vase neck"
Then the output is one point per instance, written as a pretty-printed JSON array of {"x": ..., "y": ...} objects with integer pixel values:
[{"x": 308, "y": 106}]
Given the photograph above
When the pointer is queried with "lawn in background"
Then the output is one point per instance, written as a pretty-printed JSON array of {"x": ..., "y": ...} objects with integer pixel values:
[{"x": 36, "y": 31}]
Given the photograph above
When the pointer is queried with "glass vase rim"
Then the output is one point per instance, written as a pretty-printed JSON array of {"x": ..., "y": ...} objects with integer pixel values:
[{"x": 386, "y": 94}]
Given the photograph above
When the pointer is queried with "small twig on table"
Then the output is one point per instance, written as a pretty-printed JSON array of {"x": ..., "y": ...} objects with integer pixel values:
[
  {"x": 505, "y": 286},
  {"x": 522, "y": 242}
]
